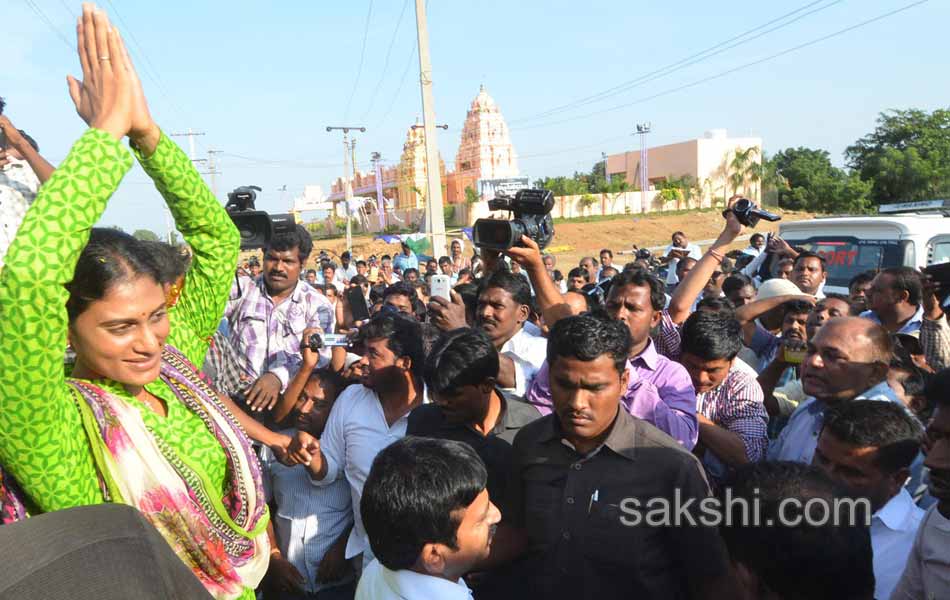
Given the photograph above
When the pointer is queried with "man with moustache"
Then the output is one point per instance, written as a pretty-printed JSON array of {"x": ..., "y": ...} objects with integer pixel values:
[
  {"x": 366, "y": 418},
  {"x": 267, "y": 317},
  {"x": 579, "y": 474}
]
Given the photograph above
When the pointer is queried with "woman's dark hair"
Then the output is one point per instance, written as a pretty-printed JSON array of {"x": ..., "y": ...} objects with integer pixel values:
[
  {"x": 109, "y": 258},
  {"x": 416, "y": 494},
  {"x": 172, "y": 263},
  {"x": 460, "y": 358}
]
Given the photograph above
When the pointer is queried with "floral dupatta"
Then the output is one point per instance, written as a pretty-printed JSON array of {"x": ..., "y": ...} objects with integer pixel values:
[{"x": 223, "y": 540}]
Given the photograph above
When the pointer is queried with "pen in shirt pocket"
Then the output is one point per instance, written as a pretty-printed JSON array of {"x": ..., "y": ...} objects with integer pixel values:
[{"x": 593, "y": 498}]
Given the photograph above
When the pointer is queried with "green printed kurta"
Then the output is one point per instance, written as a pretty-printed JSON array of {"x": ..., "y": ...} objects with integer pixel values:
[{"x": 42, "y": 440}]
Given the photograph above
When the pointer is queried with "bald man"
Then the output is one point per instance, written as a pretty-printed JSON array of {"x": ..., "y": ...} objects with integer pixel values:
[{"x": 847, "y": 360}]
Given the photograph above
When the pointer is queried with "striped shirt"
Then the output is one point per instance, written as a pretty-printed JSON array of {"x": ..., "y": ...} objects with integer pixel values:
[
  {"x": 266, "y": 336},
  {"x": 309, "y": 518}
]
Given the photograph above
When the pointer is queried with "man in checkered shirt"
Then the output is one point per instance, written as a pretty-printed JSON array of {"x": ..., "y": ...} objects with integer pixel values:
[
  {"x": 733, "y": 422},
  {"x": 267, "y": 318}
]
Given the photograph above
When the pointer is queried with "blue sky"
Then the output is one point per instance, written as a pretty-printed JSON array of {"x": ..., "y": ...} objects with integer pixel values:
[{"x": 263, "y": 80}]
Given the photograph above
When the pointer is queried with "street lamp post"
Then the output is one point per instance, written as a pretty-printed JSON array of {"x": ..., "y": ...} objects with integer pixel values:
[{"x": 642, "y": 130}]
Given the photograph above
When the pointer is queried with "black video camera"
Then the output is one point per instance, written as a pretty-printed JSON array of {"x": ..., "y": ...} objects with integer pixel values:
[
  {"x": 749, "y": 214},
  {"x": 256, "y": 226},
  {"x": 532, "y": 217}
]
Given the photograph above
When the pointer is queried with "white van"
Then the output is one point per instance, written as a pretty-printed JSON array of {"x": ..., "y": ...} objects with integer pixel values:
[{"x": 913, "y": 234}]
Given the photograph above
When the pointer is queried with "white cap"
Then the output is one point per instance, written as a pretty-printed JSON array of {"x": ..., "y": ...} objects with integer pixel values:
[
  {"x": 777, "y": 287},
  {"x": 351, "y": 359}
]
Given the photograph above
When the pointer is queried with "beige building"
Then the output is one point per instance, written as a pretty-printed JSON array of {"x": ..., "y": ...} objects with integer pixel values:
[
  {"x": 412, "y": 172},
  {"x": 710, "y": 161}
]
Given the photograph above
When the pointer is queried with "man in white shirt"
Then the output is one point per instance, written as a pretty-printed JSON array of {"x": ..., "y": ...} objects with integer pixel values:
[
  {"x": 927, "y": 574},
  {"x": 429, "y": 520},
  {"x": 22, "y": 170},
  {"x": 366, "y": 418},
  {"x": 680, "y": 248},
  {"x": 311, "y": 523},
  {"x": 868, "y": 446},
  {"x": 502, "y": 311},
  {"x": 347, "y": 268}
]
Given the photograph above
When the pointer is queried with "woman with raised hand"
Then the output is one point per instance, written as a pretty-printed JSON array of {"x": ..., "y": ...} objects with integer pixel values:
[{"x": 135, "y": 423}]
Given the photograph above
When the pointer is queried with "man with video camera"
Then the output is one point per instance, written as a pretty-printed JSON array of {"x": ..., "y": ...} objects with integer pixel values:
[{"x": 267, "y": 318}]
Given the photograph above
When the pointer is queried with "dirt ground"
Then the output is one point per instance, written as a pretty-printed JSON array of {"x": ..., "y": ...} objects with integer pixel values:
[{"x": 574, "y": 240}]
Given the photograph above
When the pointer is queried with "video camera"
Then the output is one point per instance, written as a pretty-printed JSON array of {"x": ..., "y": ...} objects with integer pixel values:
[
  {"x": 749, "y": 214},
  {"x": 256, "y": 226},
  {"x": 532, "y": 217}
]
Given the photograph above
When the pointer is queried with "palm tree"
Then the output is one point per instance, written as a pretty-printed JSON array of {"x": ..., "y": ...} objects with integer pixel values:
[{"x": 742, "y": 168}]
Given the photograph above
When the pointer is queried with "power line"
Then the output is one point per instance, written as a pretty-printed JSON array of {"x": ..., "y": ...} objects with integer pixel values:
[
  {"x": 689, "y": 61},
  {"x": 149, "y": 69},
  {"x": 402, "y": 82},
  {"x": 732, "y": 70},
  {"x": 392, "y": 42},
  {"x": 42, "y": 15},
  {"x": 359, "y": 70},
  {"x": 68, "y": 9}
]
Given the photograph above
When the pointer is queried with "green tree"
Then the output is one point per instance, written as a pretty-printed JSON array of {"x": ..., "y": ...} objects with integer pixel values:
[
  {"x": 471, "y": 196},
  {"x": 814, "y": 184},
  {"x": 146, "y": 235},
  {"x": 906, "y": 157}
]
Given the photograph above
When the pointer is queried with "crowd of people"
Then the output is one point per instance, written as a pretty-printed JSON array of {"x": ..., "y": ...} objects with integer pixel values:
[{"x": 691, "y": 424}]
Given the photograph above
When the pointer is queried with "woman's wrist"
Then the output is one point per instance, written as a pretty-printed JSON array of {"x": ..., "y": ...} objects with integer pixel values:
[
  {"x": 146, "y": 141},
  {"x": 113, "y": 129}
]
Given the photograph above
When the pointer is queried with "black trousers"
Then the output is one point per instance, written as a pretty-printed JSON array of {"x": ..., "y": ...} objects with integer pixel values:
[{"x": 102, "y": 552}]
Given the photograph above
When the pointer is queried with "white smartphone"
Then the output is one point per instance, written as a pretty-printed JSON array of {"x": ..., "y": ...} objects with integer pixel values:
[{"x": 440, "y": 285}]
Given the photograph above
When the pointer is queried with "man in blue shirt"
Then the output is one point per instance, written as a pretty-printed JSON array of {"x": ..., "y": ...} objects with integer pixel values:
[
  {"x": 406, "y": 260},
  {"x": 894, "y": 299},
  {"x": 847, "y": 360}
]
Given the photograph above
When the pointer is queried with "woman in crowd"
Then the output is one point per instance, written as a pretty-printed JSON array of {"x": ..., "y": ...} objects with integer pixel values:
[
  {"x": 459, "y": 261},
  {"x": 135, "y": 423}
]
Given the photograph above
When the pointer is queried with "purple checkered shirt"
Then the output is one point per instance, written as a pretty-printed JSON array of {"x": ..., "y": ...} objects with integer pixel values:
[
  {"x": 267, "y": 337},
  {"x": 737, "y": 405}
]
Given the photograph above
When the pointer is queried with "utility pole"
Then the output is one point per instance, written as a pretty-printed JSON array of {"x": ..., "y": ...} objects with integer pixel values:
[
  {"x": 347, "y": 190},
  {"x": 213, "y": 170},
  {"x": 435, "y": 224},
  {"x": 380, "y": 201},
  {"x": 191, "y": 141},
  {"x": 606, "y": 172},
  {"x": 169, "y": 224},
  {"x": 642, "y": 130}
]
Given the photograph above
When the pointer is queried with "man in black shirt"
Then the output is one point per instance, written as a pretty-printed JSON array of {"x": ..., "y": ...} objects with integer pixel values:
[
  {"x": 582, "y": 475},
  {"x": 461, "y": 375}
]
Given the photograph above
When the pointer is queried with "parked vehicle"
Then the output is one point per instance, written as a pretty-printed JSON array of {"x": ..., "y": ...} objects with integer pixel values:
[{"x": 914, "y": 234}]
